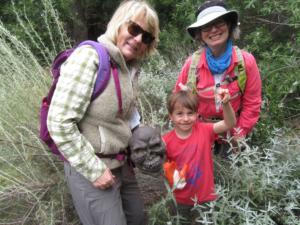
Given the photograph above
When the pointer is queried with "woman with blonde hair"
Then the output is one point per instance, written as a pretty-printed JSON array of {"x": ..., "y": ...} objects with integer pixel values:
[{"x": 93, "y": 135}]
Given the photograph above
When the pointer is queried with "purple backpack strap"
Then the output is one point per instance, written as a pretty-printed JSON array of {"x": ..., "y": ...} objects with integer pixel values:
[{"x": 103, "y": 73}]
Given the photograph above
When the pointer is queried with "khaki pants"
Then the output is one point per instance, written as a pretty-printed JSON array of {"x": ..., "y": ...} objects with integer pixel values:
[{"x": 121, "y": 204}]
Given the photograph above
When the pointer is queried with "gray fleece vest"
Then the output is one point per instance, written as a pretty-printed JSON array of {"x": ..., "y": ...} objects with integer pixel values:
[{"x": 102, "y": 125}]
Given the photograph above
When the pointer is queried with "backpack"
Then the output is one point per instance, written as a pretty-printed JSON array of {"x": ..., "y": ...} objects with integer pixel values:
[
  {"x": 103, "y": 76},
  {"x": 239, "y": 70}
]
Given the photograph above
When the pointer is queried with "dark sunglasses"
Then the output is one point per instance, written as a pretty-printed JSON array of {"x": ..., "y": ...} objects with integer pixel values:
[{"x": 134, "y": 30}]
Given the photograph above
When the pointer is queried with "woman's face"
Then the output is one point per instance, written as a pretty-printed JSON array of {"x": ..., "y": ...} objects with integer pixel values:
[
  {"x": 215, "y": 34},
  {"x": 132, "y": 47}
]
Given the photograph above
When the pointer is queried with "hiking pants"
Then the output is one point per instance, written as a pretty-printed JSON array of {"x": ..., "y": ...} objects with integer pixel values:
[
  {"x": 121, "y": 204},
  {"x": 187, "y": 215}
]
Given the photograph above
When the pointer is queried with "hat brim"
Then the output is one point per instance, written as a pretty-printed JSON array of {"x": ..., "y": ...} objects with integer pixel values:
[{"x": 231, "y": 15}]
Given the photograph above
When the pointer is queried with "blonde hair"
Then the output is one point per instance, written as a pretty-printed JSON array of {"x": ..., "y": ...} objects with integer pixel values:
[{"x": 130, "y": 10}]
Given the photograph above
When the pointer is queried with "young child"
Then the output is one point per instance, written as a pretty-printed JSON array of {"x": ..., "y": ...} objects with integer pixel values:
[{"x": 189, "y": 165}]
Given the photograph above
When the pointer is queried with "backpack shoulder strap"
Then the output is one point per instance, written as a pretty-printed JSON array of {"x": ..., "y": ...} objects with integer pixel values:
[
  {"x": 240, "y": 69},
  {"x": 103, "y": 73},
  {"x": 192, "y": 74}
]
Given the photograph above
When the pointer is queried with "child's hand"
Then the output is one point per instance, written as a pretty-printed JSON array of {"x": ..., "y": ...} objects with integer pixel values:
[{"x": 224, "y": 95}]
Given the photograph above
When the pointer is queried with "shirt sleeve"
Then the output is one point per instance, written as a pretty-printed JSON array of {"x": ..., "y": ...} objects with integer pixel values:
[
  {"x": 251, "y": 100},
  {"x": 135, "y": 118},
  {"x": 209, "y": 129},
  {"x": 183, "y": 75},
  {"x": 69, "y": 104}
]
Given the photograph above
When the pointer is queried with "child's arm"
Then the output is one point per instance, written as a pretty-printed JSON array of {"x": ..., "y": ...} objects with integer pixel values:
[{"x": 229, "y": 120}]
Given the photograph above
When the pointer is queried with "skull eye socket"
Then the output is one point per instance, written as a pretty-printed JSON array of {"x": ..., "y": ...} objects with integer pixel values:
[
  {"x": 154, "y": 141},
  {"x": 136, "y": 150},
  {"x": 138, "y": 155}
]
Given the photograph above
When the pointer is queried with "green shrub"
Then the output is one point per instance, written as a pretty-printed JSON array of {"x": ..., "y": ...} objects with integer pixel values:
[
  {"x": 259, "y": 186},
  {"x": 156, "y": 80}
]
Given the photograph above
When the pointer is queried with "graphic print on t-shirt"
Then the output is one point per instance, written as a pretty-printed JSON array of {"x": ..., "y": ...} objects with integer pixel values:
[
  {"x": 190, "y": 156},
  {"x": 194, "y": 174}
]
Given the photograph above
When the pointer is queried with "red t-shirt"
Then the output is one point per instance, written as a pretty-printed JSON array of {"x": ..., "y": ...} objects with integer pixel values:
[{"x": 195, "y": 151}]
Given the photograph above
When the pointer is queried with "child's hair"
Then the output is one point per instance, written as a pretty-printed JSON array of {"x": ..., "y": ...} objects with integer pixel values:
[{"x": 185, "y": 98}]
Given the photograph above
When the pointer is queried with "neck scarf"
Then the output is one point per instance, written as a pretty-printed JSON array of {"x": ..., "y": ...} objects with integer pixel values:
[{"x": 220, "y": 64}]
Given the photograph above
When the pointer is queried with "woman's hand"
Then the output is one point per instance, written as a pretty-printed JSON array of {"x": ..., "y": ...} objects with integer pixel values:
[{"x": 106, "y": 180}]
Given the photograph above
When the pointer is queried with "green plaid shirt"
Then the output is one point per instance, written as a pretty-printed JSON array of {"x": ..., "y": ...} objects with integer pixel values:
[{"x": 69, "y": 104}]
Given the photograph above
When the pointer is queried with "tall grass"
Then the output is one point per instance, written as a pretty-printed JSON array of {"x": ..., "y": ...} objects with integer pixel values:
[{"x": 32, "y": 190}]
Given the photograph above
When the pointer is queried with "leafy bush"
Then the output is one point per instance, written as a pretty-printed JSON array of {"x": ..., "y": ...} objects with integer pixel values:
[
  {"x": 259, "y": 186},
  {"x": 156, "y": 80}
]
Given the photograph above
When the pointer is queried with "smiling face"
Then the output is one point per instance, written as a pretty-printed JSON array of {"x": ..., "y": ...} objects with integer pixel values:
[
  {"x": 183, "y": 120},
  {"x": 215, "y": 36},
  {"x": 131, "y": 46}
]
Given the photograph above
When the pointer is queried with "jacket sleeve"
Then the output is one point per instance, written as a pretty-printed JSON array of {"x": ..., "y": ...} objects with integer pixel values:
[
  {"x": 69, "y": 104},
  {"x": 251, "y": 100},
  {"x": 183, "y": 75}
]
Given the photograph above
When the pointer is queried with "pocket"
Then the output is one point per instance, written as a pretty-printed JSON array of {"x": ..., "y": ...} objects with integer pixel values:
[
  {"x": 106, "y": 142},
  {"x": 235, "y": 95},
  {"x": 234, "y": 90},
  {"x": 102, "y": 139},
  {"x": 75, "y": 180}
]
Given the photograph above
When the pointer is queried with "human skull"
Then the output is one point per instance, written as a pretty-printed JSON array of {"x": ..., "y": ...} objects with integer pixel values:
[{"x": 147, "y": 149}]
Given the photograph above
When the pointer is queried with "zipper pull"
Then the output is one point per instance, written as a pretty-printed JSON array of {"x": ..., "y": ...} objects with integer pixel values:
[{"x": 218, "y": 101}]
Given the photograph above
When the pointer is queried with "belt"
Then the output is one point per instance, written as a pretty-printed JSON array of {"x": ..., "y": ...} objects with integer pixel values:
[
  {"x": 118, "y": 156},
  {"x": 210, "y": 119}
]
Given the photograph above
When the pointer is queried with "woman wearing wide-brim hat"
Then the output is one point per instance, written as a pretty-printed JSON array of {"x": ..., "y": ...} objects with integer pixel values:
[{"x": 218, "y": 63}]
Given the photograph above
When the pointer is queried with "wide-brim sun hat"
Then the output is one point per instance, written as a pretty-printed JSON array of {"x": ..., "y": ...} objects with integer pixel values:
[{"x": 210, "y": 14}]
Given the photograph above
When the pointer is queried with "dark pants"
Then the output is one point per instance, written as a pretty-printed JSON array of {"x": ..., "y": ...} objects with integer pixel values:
[
  {"x": 121, "y": 204},
  {"x": 222, "y": 149},
  {"x": 187, "y": 215}
]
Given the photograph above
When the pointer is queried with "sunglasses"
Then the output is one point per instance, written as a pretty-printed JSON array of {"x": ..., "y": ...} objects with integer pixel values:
[
  {"x": 216, "y": 24},
  {"x": 134, "y": 29}
]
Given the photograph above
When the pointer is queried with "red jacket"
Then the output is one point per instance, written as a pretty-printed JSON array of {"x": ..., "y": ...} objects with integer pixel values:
[{"x": 247, "y": 105}]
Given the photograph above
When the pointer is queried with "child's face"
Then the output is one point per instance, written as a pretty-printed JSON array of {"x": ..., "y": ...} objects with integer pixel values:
[{"x": 183, "y": 119}]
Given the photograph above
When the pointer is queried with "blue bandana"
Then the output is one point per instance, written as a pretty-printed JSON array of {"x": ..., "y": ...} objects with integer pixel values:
[{"x": 220, "y": 64}]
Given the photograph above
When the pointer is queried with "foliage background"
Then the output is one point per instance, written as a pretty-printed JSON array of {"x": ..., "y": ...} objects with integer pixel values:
[{"x": 259, "y": 187}]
